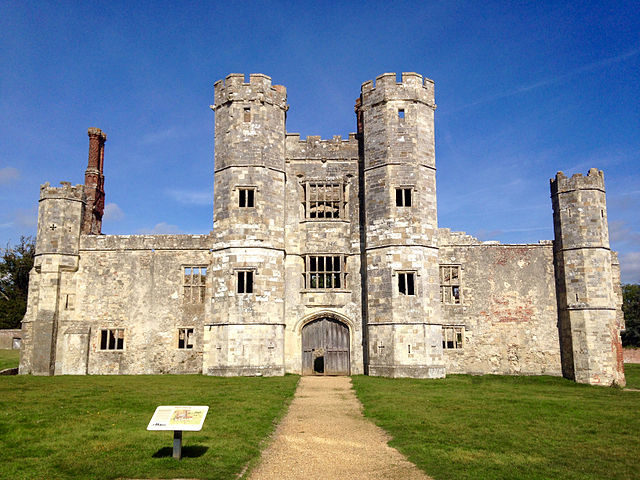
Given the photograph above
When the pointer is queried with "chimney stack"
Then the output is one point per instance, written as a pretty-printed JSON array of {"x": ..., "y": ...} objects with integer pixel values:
[{"x": 94, "y": 184}]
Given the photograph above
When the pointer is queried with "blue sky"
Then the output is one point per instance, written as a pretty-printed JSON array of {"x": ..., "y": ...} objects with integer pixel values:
[{"x": 524, "y": 89}]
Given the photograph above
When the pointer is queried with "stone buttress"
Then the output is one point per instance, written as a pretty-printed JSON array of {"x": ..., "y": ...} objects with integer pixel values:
[
  {"x": 396, "y": 128},
  {"x": 245, "y": 335},
  {"x": 588, "y": 304}
]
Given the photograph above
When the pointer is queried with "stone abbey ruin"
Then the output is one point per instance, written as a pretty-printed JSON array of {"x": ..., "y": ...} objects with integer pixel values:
[{"x": 325, "y": 259}]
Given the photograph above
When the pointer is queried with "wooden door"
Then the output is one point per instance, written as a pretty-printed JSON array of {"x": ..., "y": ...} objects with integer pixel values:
[{"x": 325, "y": 348}]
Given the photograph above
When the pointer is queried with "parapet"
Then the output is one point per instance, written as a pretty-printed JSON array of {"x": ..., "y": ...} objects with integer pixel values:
[
  {"x": 413, "y": 87},
  {"x": 65, "y": 192},
  {"x": 313, "y": 147},
  {"x": 593, "y": 181},
  {"x": 234, "y": 88}
]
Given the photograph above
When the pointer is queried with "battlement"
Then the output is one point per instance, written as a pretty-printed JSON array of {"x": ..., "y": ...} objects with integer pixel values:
[
  {"x": 234, "y": 88},
  {"x": 314, "y": 147},
  {"x": 593, "y": 181},
  {"x": 412, "y": 87},
  {"x": 65, "y": 192}
]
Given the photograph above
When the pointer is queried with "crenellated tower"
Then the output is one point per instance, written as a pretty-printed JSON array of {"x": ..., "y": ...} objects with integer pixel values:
[
  {"x": 588, "y": 305},
  {"x": 57, "y": 253},
  {"x": 396, "y": 130},
  {"x": 245, "y": 336}
]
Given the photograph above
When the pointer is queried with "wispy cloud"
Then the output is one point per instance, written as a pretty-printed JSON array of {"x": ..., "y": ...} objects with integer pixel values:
[
  {"x": 630, "y": 267},
  {"x": 8, "y": 175},
  {"x": 113, "y": 212},
  {"x": 191, "y": 197},
  {"x": 161, "y": 228},
  {"x": 553, "y": 80},
  {"x": 168, "y": 134},
  {"x": 621, "y": 233}
]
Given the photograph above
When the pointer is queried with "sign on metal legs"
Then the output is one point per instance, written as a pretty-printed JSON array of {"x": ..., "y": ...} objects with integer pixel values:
[{"x": 179, "y": 419}]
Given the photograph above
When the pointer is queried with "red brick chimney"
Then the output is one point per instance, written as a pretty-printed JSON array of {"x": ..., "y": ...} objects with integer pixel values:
[{"x": 94, "y": 184}]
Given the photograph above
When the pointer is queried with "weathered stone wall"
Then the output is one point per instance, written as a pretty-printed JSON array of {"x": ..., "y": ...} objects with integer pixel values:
[
  {"x": 631, "y": 355},
  {"x": 10, "y": 339},
  {"x": 507, "y": 307}
]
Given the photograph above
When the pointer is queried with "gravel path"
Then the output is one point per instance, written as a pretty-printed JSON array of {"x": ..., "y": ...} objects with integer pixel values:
[{"x": 325, "y": 436}]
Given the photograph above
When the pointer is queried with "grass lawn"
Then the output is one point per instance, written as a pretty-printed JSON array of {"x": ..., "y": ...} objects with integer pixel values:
[
  {"x": 95, "y": 427},
  {"x": 632, "y": 374},
  {"x": 496, "y": 427},
  {"x": 9, "y": 358}
]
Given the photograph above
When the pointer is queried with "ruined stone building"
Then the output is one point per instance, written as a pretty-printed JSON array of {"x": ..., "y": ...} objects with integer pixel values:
[{"x": 325, "y": 258}]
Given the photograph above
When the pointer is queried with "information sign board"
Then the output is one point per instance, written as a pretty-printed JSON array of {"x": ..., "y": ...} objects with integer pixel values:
[{"x": 185, "y": 418}]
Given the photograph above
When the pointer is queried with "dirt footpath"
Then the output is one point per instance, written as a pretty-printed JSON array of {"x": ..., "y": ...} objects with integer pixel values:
[{"x": 325, "y": 436}]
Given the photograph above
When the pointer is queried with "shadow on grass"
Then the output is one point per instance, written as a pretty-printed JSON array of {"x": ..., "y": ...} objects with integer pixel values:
[{"x": 191, "y": 451}]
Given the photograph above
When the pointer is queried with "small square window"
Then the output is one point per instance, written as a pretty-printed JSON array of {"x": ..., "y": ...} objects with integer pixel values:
[
  {"x": 406, "y": 283},
  {"x": 185, "y": 338},
  {"x": 452, "y": 338},
  {"x": 245, "y": 281},
  {"x": 401, "y": 114},
  {"x": 403, "y": 197},
  {"x": 112, "y": 339},
  {"x": 246, "y": 197}
]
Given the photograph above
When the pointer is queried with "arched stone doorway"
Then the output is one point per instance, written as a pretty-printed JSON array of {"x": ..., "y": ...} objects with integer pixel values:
[{"x": 325, "y": 347}]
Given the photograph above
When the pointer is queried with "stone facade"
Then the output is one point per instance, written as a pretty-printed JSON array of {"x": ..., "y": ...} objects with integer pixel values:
[{"x": 341, "y": 234}]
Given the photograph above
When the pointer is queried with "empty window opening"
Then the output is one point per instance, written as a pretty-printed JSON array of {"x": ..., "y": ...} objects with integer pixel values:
[
  {"x": 323, "y": 200},
  {"x": 452, "y": 337},
  {"x": 324, "y": 272},
  {"x": 576, "y": 297},
  {"x": 406, "y": 283},
  {"x": 185, "y": 338},
  {"x": 246, "y": 197},
  {"x": 409, "y": 349},
  {"x": 450, "y": 284},
  {"x": 195, "y": 279},
  {"x": 403, "y": 197},
  {"x": 401, "y": 114},
  {"x": 602, "y": 213},
  {"x": 247, "y": 114},
  {"x": 245, "y": 281},
  {"x": 112, "y": 339}
]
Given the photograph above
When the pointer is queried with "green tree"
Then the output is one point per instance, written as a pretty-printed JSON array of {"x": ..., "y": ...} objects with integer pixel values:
[
  {"x": 631, "y": 309},
  {"x": 15, "y": 265}
]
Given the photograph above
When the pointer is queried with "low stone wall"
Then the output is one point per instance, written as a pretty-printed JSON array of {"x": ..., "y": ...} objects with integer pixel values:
[
  {"x": 10, "y": 339},
  {"x": 631, "y": 355}
]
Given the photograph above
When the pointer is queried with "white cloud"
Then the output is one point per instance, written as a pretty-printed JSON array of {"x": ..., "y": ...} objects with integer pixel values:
[
  {"x": 8, "y": 175},
  {"x": 191, "y": 197},
  {"x": 26, "y": 218},
  {"x": 113, "y": 212},
  {"x": 620, "y": 232},
  {"x": 161, "y": 228},
  {"x": 630, "y": 267}
]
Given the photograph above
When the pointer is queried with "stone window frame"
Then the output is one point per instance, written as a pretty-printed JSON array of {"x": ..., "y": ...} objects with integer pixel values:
[
  {"x": 194, "y": 291},
  {"x": 320, "y": 276},
  {"x": 237, "y": 197},
  {"x": 69, "y": 301},
  {"x": 453, "y": 337},
  {"x": 410, "y": 287},
  {"x": 112, "y": 339},
  {"x": 400, "y": 196},
  {"x": 450, "y": 289},
  {"x": 244, "y": 282},
  {"x": 336, "y": 201},
  {"x": 188, "y": 339}
]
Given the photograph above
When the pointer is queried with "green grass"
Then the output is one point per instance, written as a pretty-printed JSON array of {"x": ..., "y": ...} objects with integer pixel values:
[
  {"x": 632, "y": 374},
  {"x": 495, "y": 427},
  {"x": 9, "y": 358},
  {"x": 94, "y": 427}
]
